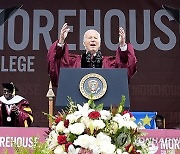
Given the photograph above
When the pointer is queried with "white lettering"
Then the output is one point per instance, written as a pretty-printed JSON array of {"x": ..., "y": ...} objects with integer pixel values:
[
  {"x": 172, "y": 38},
  {"x": 8, "y": 142},
  {"x": 107, "y": 27},
  {"x": 17, "y": 64},
  {"x": 2, "y": 141},
  {"x": 24, "y": 33},
  {"x": 134, "y": 33},
  {"x": 39, "y": 29}
]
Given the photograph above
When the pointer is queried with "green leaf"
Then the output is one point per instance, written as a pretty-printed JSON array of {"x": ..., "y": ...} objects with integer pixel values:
[
  {"x": 91, "y": 103},
  {"x": 71, "y": 137},
  {"x": 50, "y": 117},
  {"x": 71, "y": 107},
  {"x": 99, "y": 107},
  {"x": 121, "y": 105}
]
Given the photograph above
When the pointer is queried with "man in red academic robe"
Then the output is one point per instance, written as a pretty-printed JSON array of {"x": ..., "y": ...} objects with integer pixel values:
[
  {"x": 59, "y": 56},
  {"x": 14, "y": 109}
]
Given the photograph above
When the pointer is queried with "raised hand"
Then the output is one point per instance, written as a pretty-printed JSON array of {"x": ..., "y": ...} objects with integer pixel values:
[
  {"x": 63, "y": 33},
  {"x": 122, "y": 37}
]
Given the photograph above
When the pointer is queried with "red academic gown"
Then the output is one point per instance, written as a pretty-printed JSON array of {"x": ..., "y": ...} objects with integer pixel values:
[
  {"x": 58, "y": 57},
  {"x": 24, "y": 119}
]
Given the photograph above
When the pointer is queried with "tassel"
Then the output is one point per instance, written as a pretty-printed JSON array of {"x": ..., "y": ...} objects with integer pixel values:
[{"x": 14, "y": 89}]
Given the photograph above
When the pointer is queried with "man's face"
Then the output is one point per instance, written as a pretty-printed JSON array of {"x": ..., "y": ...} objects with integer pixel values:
[
  {"x": 7, "y": 94},
  {"x": 92, "y": 41}
]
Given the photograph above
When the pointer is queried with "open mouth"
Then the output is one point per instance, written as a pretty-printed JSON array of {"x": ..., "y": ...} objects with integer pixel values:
[{"x": 92, "y": 45}]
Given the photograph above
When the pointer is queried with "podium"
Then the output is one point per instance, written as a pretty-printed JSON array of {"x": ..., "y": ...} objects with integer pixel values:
[{"x": 70, "y": 84}]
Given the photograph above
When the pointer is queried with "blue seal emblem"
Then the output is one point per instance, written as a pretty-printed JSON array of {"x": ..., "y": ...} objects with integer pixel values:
[{"x": 93, "y": 85}]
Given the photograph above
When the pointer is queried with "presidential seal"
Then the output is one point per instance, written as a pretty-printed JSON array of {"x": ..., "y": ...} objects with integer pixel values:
[{"x": 93, "y": 85}]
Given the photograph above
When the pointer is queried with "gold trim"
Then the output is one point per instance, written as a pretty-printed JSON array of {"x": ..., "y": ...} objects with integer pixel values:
[
  {"x": 88, "y": 95},
  {"x": 27, "y": 109}
]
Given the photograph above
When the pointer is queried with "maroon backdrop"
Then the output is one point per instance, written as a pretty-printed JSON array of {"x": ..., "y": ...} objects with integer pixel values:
[{"x": 27, "y": 35}]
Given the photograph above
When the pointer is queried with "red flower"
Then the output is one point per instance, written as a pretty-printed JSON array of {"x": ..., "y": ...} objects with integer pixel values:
[
  {"x": 94, "y": 115},
  {"x": 125, "y": 111},
  {"x": 66, "y": 123},
  {"x": 67, "y": 146},
  {"x": 58, "y": 119},
  {"x": 62, "y": 139}
]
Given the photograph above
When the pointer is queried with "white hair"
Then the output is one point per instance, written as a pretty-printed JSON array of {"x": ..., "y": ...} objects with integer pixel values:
[{"x": 92, "y": 30}]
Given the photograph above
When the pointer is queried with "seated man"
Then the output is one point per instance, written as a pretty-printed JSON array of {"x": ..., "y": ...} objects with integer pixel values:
[
  {"x": 59, "y": 56},
  {"x": 14, "y": 109}
]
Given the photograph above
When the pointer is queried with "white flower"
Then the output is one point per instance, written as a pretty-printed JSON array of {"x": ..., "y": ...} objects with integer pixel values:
[
  {"x": 119, "y": 151},
  {"x": 85, "y": 141},
  {"x": 59, "y": 150},
  {"x": 101, "y": 137},
  {"x": 53, "y": 127},
  {"x": 66, "y": 131},
  {"x": 126, "y": 117},
  {"x": 72, "y": 150},
  {"x": 72, "y": 117},
  {"x": 77, "y": 128},
  {"x": 83, "y": 110},
  {"x": 98, "y": 124},
  {"x": 52, "y": 139},
  {"x": 131, "y": 124},
  {"x": 119, "y": 119},
  {"x": 104, "y": 143},
  {"x": 124, "y": 120},
  {"x": 60, "y": 126},
  {"x": 86, "y": 121},
  {"x": 105, "y": 115}
]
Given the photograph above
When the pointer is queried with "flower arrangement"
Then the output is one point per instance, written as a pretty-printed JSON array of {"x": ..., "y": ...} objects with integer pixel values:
[{"x": 90, "y": 129}]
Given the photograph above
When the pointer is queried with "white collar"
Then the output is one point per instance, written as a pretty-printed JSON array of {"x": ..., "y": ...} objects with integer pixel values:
[{"x": 16, "y": 99}]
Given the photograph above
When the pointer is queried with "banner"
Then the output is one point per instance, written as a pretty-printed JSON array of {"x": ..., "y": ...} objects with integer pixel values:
[{"x": 160, "y": 141}]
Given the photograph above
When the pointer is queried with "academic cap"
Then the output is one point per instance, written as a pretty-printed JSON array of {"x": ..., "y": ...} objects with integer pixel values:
[
  {"x": 174, "y": 12},
  {"x": 9, "y": 86},
  {"x": 7, "y": 13}
]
